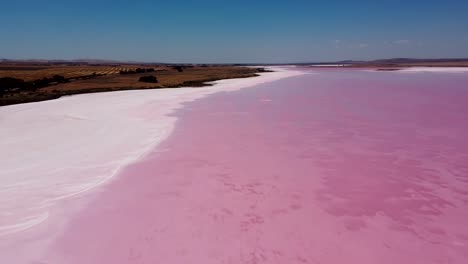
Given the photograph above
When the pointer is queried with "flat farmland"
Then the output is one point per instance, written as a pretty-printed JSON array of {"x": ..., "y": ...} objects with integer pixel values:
[{"x": 31, "y": 73}]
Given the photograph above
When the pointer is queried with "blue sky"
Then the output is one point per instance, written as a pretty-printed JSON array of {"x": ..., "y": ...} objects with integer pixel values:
[{"x": 216, "y": 31}]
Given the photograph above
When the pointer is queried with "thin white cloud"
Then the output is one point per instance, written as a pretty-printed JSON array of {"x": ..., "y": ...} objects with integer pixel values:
[
  {"x": 363, "y": 45},
  {"x": 341, "y": 44},
  {"x": 336, "y": 43},
  {"x": 401, "y": 42}
]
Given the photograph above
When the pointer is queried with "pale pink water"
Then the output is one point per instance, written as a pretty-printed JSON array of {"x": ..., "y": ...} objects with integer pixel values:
[{"x": 336, "y": 167}]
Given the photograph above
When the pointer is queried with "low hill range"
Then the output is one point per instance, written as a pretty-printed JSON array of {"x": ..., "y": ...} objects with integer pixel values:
[{"x": 395, "y": 62}]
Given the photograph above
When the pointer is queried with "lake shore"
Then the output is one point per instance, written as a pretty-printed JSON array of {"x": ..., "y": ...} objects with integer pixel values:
[{"x": 62, "y": 81}]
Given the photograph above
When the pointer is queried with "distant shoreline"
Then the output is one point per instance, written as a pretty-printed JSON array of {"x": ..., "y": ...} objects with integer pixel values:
[
  {"x": 402, "y": 62},
  {"x": 395, "y": 63}
]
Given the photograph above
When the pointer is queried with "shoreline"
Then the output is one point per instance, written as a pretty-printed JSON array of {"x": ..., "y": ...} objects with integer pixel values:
[
  {"x": 165, "y": 78},
  {"x": 189, "y": 84},
  {"x": 388, "y": 68}
]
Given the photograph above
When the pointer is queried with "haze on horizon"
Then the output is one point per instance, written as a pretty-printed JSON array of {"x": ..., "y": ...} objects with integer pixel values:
[{"x": 212, "y": 31}]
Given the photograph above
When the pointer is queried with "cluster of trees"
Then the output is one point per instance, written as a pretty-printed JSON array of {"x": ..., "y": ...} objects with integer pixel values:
[
  {"x": 44, "y": 82},
  {"x": 9, "y": 84},
  {"x": 180, "y": 68},
  {"x": 149, "y": 79},
  {"x": 137, "y": 70}
]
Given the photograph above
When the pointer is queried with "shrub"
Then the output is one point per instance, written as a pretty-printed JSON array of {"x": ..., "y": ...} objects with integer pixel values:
[
  {"x": 148, "y": 79},
  {"x": 41, "y": 83},
  {"x": 137, "y": 70},
  {"x": 8, "y": 83},
  {"x": 178, "y": 68},
  {"x": 59, "y": 79}
]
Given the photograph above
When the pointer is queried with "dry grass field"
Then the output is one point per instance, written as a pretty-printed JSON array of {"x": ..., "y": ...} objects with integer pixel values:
[
  {"x": 30, "y": 73},
  {"x": 88, "y": 79}
]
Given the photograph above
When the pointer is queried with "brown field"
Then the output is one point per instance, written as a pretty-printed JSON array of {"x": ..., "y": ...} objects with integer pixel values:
[
  {"x": 30, "y": 73},
  {"x": 108, "y": 78}
]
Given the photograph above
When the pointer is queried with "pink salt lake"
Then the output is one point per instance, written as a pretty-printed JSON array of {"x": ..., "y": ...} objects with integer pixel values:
[{"x": 336, "y": 166}]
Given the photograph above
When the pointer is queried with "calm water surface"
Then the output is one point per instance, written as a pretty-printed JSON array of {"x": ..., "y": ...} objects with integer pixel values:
[{"x": 330, "y": 167}]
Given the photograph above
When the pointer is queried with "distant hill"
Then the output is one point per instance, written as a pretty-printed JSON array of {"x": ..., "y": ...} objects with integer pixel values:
[{"x": 394, "y": 62}]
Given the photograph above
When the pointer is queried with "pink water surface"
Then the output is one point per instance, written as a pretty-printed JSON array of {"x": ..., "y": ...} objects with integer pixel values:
[{"x": 331, "y": 167}]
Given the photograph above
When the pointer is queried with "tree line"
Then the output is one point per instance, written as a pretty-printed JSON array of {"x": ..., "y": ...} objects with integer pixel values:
[
  {"x": 137, "y": 70},
  {"x": 148, "y": 79},
  {"x": 9, "y": 84}
]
